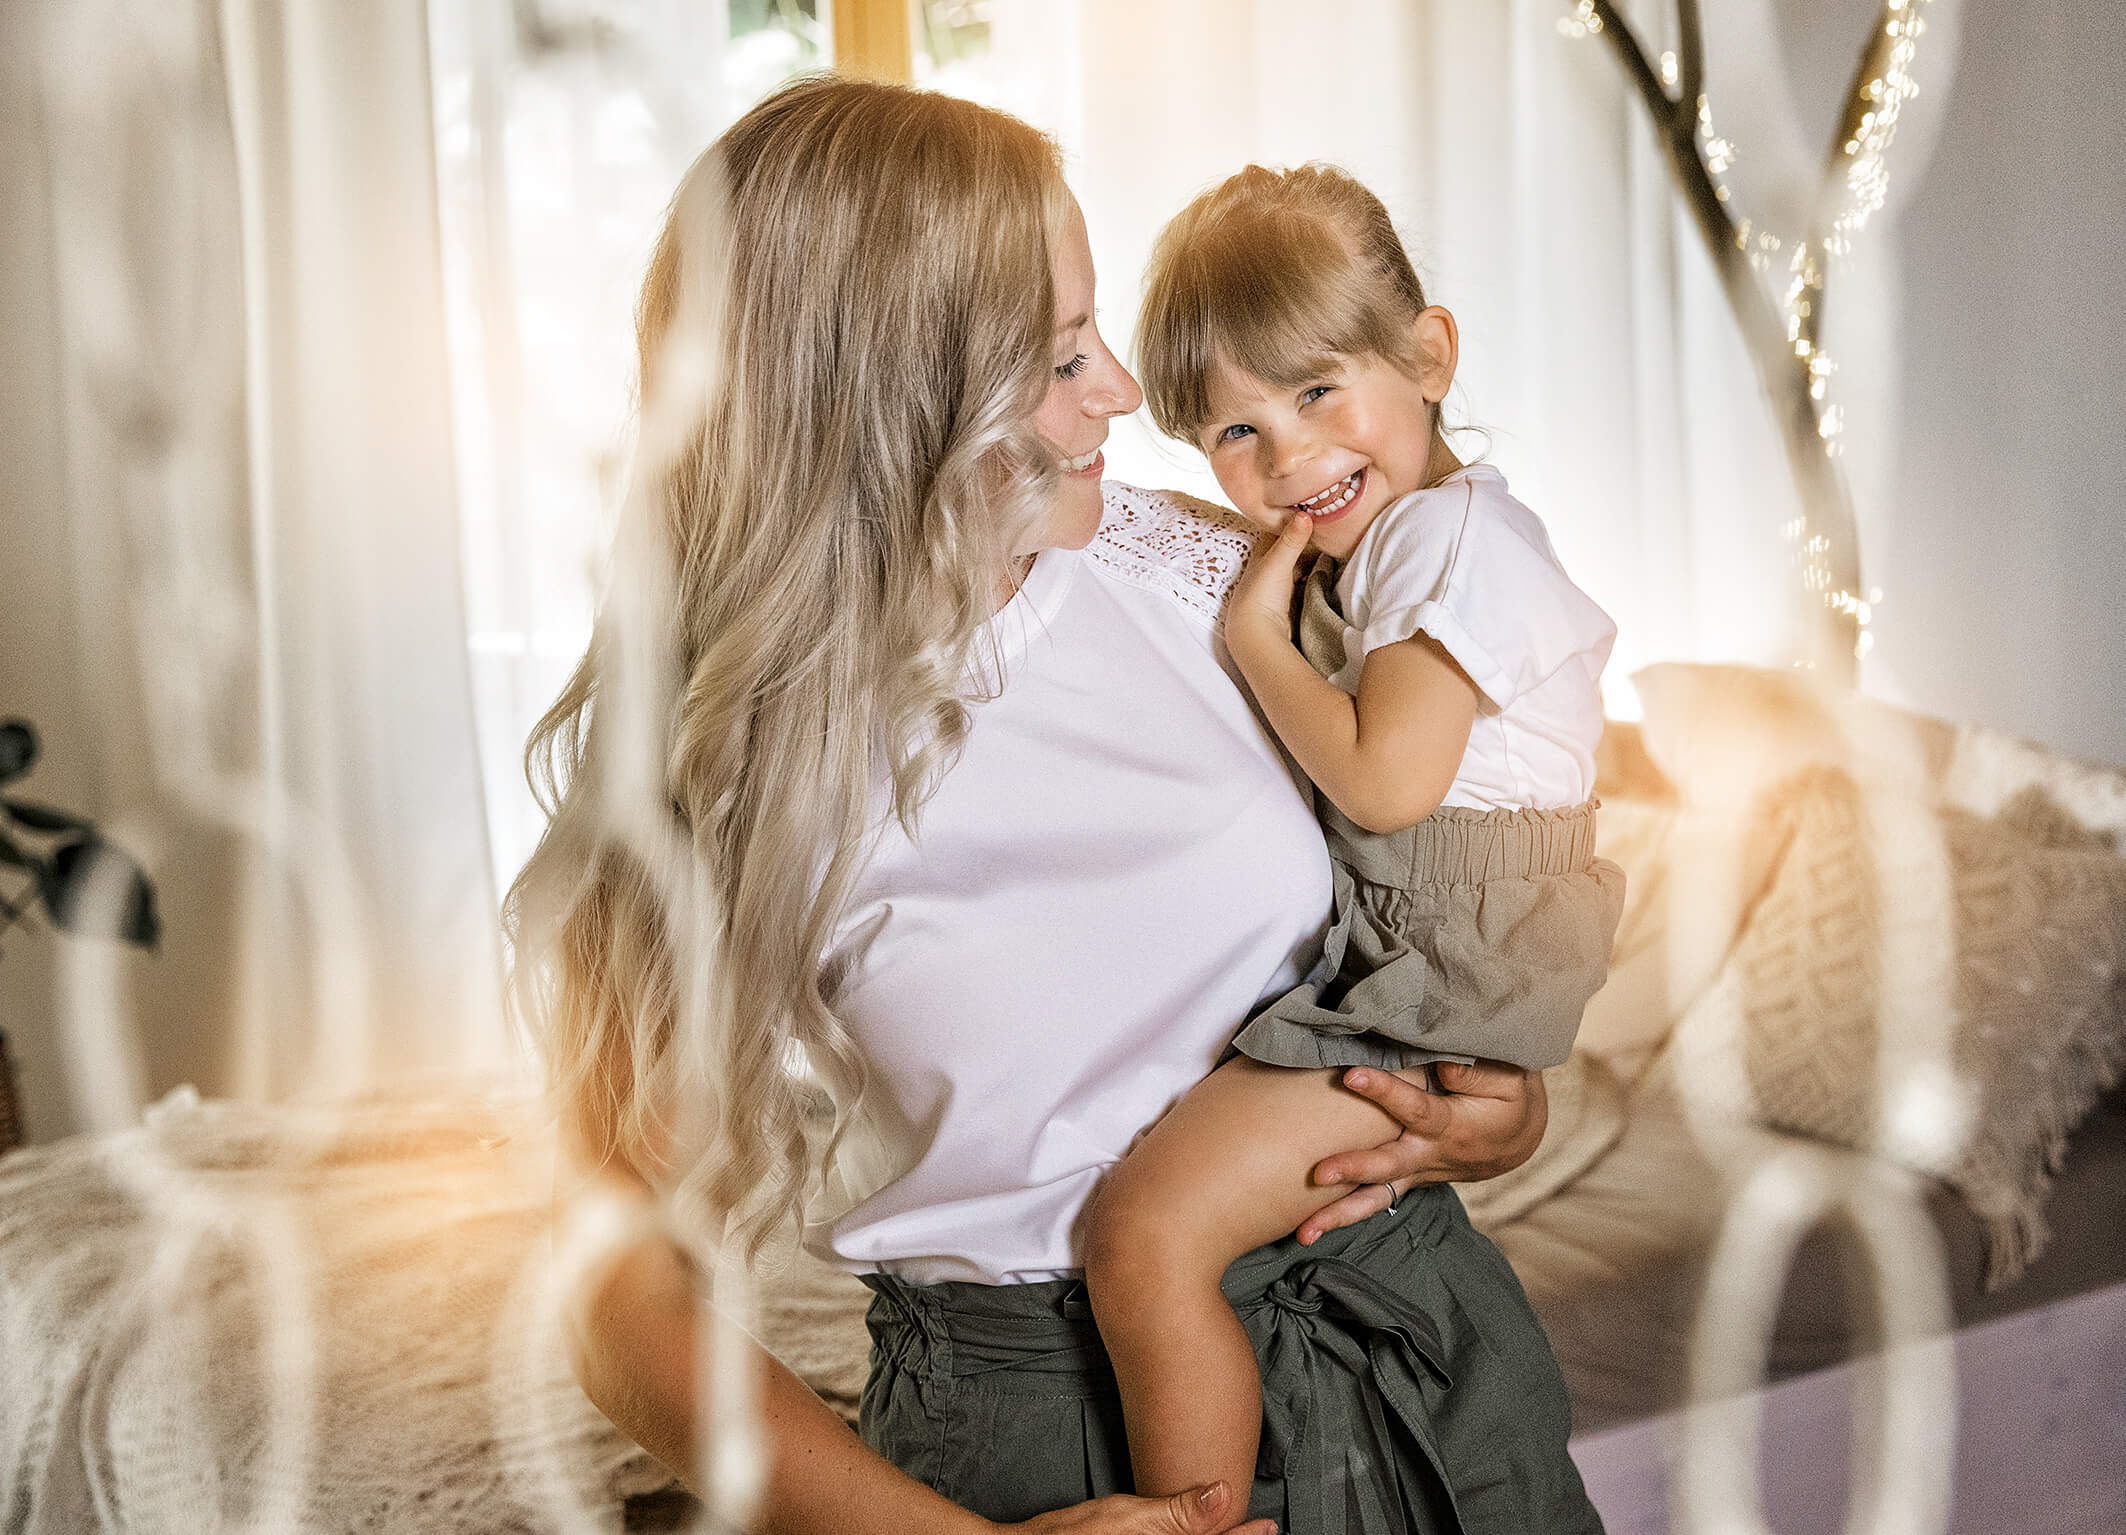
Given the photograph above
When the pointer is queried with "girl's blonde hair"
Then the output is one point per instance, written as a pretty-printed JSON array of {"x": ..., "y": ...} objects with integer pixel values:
[
  {"x": 844, "y": 332},
  {"x": 1274, "y": 274}
]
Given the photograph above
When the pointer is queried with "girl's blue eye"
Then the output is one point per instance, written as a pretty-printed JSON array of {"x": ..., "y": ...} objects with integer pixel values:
[
  {"x": 1313, "y": 393},
  {"x": 1234, "y": 433},
  {"x": 1073, "y": 368}
]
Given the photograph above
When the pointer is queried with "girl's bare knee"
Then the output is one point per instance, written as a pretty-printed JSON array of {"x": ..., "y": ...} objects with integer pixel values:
[
  {"x": 1139, "y": 1237},
  {"x": 1122, "y": 1233}
]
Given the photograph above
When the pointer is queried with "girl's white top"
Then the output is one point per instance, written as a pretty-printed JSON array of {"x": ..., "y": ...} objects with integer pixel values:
[
  {"x": 1465, "y": 563},
  {"x": 1119, "y": 866}
]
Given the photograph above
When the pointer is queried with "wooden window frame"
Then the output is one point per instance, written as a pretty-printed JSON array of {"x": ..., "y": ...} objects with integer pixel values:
[{"x": 872, "y": 38}]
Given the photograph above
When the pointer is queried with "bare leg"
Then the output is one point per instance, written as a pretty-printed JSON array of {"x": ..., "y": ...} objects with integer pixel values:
[{"x": 1224, "y": 1172}]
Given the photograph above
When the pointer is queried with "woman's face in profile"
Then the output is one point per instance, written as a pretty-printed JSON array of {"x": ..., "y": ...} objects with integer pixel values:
[{"x": 1089, "y": 386}]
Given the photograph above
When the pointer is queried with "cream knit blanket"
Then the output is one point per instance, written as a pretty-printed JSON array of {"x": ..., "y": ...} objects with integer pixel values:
[{"x": 290, "y": 1320}]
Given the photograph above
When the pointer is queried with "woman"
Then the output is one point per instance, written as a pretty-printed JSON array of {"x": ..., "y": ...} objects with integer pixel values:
[{"x": 973, "y": 825}]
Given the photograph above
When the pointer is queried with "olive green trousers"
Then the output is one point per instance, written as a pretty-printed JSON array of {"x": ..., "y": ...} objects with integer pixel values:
[{"x": 1407, "y": 1388}]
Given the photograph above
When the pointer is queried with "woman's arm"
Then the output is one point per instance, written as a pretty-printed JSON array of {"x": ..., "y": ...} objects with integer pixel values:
[
  {"x": 1489, "y": 1121},
  {"x": 635, "y": 1345},
  {"x": 1387, "y": 757}
]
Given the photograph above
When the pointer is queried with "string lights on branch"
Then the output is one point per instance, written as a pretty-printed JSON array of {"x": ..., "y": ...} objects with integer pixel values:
[{"x": 1785, "y": 337}]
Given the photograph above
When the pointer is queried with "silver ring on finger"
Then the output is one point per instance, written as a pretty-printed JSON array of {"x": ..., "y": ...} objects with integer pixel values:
[{"x": 1391, "y": 1198}]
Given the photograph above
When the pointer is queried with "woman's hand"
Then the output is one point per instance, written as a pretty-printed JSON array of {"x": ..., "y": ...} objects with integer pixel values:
[
  {"x": 1489, "y": 1121},
  {"x": 1199, "y": 1511}
]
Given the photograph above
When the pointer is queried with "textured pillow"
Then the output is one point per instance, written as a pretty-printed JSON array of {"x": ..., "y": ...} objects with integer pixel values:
[
  {"x": 1720, "y": 736},
  {"x": 1895, "y": 941},
  {"x": 1691, "y": 877},
  {"x": 1723, "y": 735},
  {"x": 1586, "y": 1119}
]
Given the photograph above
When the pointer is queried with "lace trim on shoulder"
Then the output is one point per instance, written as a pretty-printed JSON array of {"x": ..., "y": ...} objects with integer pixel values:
[{"x": 1166, "y": 542}]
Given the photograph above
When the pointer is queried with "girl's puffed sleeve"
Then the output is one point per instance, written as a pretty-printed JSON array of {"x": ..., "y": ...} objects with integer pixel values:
[{"x": 1471, "y": 567}]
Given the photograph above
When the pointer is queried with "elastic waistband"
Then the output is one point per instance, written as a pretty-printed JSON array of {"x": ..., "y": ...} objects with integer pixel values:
[{"x": 1458, "y": 846}]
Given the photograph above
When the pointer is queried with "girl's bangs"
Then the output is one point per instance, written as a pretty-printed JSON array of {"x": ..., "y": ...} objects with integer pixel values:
[{"x": 1285, "y": 311}]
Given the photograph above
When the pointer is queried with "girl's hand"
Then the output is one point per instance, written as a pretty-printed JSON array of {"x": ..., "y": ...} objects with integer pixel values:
[
  {"x": 1489, "y": 1121},
  {"x": 1262, "y": 597},
  {"x": 1199, "y": 1511}
]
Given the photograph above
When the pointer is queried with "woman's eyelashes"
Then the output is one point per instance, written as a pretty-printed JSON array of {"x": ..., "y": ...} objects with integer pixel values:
[{"x": 1070, "y": 370}]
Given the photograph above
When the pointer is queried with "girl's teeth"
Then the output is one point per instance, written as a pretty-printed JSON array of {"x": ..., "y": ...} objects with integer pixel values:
[
  {"x": 1335, "y": 498},
  {"x": 1082, "y": 461}
]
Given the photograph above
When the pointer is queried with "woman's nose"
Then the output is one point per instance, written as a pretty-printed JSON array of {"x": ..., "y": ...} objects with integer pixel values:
[{"x": 1117, "y": 393}]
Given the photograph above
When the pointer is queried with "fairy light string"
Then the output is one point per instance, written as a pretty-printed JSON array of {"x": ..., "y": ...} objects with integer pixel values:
[{"x": 1858, "y": 183}]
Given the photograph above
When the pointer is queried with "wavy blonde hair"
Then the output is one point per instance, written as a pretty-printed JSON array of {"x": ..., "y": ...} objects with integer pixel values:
[{"x": 844, "y": 332}]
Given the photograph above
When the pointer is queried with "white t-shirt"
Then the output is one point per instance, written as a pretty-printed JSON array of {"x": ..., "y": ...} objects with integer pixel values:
[
  {"x": 1465, "y": 563},
  {"x": 1118, "y": 868}
]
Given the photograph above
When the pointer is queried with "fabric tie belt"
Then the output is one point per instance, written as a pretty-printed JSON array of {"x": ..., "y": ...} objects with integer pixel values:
[{"x": 1354, "y": 1367}]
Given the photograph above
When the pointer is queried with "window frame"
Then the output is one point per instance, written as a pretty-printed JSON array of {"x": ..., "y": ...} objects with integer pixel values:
[{"x": 872, "y": 38}]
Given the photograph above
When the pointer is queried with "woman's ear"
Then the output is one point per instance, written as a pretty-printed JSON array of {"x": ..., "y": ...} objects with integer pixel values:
[{"x": 1438, "y": 344}]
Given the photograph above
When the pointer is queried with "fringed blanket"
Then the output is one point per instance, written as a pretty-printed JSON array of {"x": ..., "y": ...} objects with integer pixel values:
[{"x": 293, "y": 1320}]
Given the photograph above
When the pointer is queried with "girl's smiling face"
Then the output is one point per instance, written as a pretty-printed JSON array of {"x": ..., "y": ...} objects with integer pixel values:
[{"x": 1341, "y": 447}]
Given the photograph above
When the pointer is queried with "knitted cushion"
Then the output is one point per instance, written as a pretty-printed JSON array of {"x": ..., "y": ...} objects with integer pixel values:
[
  {"x": 1895, "y": 939},
  {"x": 1586, "y": 1119},
  {"x": 1723, "y": 735},
  {"x": 1719, "y": 736},
  {"x": 1691, "y": 878}
]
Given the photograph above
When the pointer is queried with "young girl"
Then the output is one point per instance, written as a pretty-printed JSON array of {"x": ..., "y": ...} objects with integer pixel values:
[{"x": 1442, "y": 697}]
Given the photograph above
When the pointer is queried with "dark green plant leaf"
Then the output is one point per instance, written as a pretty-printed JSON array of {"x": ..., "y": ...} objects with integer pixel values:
[
  {"x": 84, "y": 864},
  {"x": 18, "y": 749},
  {"x": 43, "y": 817}
]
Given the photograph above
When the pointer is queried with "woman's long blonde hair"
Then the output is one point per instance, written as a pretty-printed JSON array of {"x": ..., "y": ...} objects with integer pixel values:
[{"x": 844, "y": 332}]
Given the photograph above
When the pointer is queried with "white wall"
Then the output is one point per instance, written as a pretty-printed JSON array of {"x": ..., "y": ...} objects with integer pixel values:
[
  {"x": 2006, "y": 564},
  {"x": 2002, "y": 552}
]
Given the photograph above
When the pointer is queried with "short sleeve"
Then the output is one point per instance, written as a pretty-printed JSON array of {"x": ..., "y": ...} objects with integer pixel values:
[
  {"x": 1472, "y": 568},
  {"x": 1169, "y": 542}
]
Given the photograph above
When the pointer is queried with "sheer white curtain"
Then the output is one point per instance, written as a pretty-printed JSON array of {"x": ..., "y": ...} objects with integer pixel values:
[
  {"x": 255, "y": 489},
  {"x": 1598, "y": 355},
  {"x": 561, "y": 131}
]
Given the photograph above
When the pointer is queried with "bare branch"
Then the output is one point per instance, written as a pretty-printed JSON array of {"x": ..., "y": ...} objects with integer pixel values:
[
  {"x": 1625, "y": 43},
  {"x": 1783, "y": 371},
  {"x": 1676, "y": 122},
  {"x": 1690, "y": 53},
  {"x": 1874, "y": 60}
]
